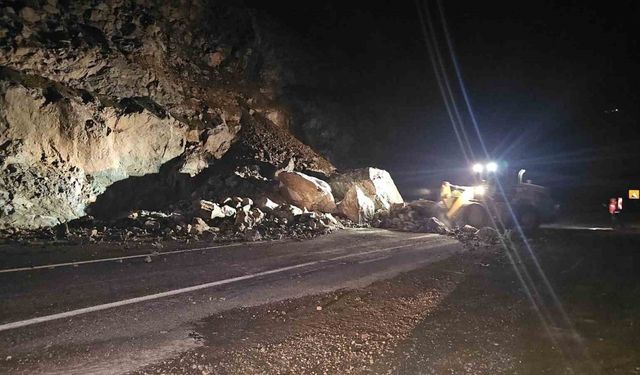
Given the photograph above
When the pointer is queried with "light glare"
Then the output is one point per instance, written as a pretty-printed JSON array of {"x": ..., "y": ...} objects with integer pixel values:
[
  {"x": 492, "y": 167},
  {"x": 478, "y": 168}
]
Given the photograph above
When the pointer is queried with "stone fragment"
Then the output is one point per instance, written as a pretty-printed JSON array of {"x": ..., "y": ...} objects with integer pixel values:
[
  {"x": 208, "y": 210},
  {"x": 488, "y": 235},
  {"x": 29, "y": 15},
  {"x": 266, "y": 204},
  {"x": 287, "y": 211},
  {"x": 434, "y": 225},
  {"x": 214, "y": 58},
  {"x": 468, "y": 229},
  {"x": 199, "y": 226},
  {"x": 330, "y": 221}
]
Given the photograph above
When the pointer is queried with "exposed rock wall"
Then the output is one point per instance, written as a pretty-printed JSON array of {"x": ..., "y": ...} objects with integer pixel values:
[
  {"x": 58, "y": 156},
  {"x": 94, "y": 92}
]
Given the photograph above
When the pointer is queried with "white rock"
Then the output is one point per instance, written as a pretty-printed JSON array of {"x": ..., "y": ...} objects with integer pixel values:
[
  {"x": 266, "y": 204},
  {"x": 377, "y": 184},
  {"x": 228, "y": 211},
  {"x": 209, "y": 210}
]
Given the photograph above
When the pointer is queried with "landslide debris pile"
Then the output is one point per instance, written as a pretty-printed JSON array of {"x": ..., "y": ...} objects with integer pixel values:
[
  {"x": 293, "y": 205},
  {"x": 233, "y": 219},
  {"x": 148, "y": 115},
  {"x": 94, "y": 93}
]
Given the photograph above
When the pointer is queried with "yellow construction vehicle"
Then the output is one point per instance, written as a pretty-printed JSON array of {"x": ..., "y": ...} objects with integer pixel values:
[{"x": 487, "y": 203}]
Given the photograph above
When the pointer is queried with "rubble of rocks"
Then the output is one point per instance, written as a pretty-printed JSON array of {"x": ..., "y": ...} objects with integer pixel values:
[
  {"x": 232, "y": 219},
  {"x": 294, "y": 205},
  {"x": 301, "y": 207},
  {"x": 241, "y": 218},
  {"x": 426, "y": 216},
  {"x": 415, "y": 216}
]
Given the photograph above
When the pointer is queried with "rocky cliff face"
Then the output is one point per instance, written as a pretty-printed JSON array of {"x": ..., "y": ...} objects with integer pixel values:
[{"x": 96, "y": 92}]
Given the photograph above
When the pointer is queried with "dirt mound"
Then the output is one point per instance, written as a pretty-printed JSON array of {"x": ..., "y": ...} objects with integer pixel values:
[{"x": 261, "y": 139}]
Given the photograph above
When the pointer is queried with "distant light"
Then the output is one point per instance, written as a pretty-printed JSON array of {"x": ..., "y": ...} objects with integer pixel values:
[
  {"x": 478, "y": 168},
  {"x": 492, "y": 167}
]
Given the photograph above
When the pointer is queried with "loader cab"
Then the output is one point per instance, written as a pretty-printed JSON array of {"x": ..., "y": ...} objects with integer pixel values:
[
  {"x": 531, "y": 203},
  {"x": 532, "y": 199}
]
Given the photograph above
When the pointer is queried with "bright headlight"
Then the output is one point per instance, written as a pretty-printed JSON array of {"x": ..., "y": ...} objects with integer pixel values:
[
  {"x": 478, "y": 168},
  {"x": 492, "y": 167}
]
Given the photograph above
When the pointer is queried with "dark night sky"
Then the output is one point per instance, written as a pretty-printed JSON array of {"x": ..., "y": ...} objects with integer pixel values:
[{"x": 540, "y": 74}]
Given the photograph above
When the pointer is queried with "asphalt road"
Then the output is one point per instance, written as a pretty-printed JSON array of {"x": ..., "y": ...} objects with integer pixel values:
[{"x": 117, "y": 315}]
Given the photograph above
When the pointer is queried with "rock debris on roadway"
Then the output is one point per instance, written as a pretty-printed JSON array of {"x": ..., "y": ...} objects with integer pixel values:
[{"x": 123, "y": 128}]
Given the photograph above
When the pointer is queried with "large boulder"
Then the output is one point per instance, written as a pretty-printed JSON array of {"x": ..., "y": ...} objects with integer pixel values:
[
  {"x": 306, "y": 191},
  {"x": 356, "y": 206},
  {"x": 376, "y": 184}
]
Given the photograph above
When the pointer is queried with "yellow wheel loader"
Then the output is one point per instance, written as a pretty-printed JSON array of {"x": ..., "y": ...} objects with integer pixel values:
[{"x": 485, "y": 204}]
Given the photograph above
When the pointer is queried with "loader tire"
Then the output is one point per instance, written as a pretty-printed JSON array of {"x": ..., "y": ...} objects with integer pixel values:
[
  {"x": 528, "y": 220},
  {"x": 476, "y": 216}
]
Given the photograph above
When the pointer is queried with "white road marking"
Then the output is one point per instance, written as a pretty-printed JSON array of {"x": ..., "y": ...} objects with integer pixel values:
[
  {"x": 153, "y": 254},
  {"x": 86, "y": 310},
  {"x": 574, "y": 227}
]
